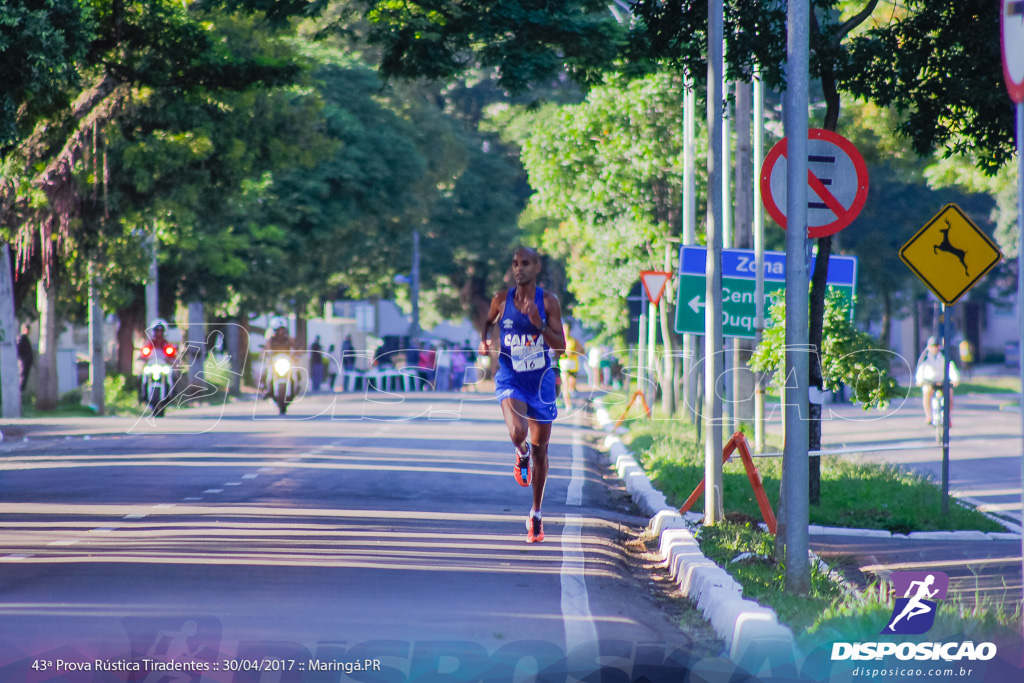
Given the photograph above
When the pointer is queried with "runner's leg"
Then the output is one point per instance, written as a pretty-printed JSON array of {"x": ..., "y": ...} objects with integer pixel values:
[
  {"x": 514, "y": 412},
  {"x": 540, "y": 435}
]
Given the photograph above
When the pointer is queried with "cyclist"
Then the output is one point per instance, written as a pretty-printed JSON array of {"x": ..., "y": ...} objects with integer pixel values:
[{"x": 930, "y": 375}]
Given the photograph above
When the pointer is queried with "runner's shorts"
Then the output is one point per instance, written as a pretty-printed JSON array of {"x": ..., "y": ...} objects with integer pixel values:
[{"x": 535, "y": 389}]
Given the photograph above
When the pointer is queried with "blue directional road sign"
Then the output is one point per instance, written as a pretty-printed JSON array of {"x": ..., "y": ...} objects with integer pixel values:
[{"x": 739, "y": 271}]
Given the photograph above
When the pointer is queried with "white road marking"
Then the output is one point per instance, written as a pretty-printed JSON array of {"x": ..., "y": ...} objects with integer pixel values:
[{"x": 580, "y": 630}]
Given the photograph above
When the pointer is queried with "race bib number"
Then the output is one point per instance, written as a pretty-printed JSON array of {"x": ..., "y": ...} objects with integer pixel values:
[{"x": 527, "y": 352}]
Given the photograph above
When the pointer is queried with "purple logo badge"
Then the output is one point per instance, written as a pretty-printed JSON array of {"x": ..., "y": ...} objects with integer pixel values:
[{"x": 917, "y": 597}]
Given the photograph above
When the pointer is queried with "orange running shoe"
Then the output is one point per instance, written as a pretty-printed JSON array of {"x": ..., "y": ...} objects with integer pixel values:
[
  {"x": 522, "y": 470},
  {"x": 534, "y": 530}
]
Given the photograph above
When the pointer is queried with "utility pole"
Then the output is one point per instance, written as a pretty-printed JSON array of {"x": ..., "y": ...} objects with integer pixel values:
[
  {"x": 742, "y": 376},
  {"x": 794, "y": 458},
  {"x": 690, "y": 341},
  {"x": 414, "y": 288},
  {"x": 97, "y": 361},
  {"x": 759, "y": 383},
  {"x": 10, "y": 386},
  {"x": 152, "y": 282},
  {"x": 713, "y": 507}
]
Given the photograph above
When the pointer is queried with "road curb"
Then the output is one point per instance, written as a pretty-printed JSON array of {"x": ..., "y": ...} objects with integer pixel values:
[{"x": 753, "y": 636}]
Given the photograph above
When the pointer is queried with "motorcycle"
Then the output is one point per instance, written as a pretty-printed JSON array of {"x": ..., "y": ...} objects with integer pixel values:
[
  {"x": 280, "y": 381},
  {"x": 157, "y": 377}
]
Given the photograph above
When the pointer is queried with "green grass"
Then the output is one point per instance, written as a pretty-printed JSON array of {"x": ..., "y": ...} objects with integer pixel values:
[
  {"x": 763, "y": 578},
  {"x": 856, "y": 495},
  {"x": 989, "y": 385},
  {"x": 832, "y": 612}
]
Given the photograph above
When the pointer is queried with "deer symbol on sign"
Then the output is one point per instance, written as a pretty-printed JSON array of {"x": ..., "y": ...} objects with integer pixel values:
[{"x": 947, "y": 246}]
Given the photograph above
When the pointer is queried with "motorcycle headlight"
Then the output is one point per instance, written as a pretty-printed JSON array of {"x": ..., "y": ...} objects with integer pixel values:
[
  {"x": 282, "y": 366},
  {"x": 156, "y": 370}
]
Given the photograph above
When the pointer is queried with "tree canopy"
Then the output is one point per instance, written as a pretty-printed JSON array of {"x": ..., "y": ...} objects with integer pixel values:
[{"x": 610, "y": 171}]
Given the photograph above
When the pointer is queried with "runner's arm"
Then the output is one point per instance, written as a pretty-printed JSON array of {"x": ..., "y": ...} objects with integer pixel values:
[
  {"x": 494, "y": 314},
  {"x": 554, "y": 334}
]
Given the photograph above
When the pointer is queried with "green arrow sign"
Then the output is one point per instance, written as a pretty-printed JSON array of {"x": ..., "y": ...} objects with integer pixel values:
[{"x": 738, "y": 309}]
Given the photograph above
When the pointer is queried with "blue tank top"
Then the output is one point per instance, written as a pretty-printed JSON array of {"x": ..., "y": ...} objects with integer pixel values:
[{"x": 523, "y": 349}]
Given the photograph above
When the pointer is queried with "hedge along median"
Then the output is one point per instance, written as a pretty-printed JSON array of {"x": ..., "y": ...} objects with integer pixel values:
[{"x": 853, "y": 495}]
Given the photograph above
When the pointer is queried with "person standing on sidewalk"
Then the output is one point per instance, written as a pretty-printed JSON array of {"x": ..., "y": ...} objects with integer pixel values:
[
  {"x": 529, "y": 322},
  {"x": 26, "y": 356}
]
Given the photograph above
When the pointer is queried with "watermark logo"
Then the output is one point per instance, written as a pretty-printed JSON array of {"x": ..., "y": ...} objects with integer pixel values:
[
  {"x": 917, "y": 595},
  {"x": 914, "y": 612}
]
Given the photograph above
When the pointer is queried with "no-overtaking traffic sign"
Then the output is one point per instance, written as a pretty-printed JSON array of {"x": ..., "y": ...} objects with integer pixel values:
[
  {"x": 837, "y": 178},
  {"x": 1011, "y": 24}
]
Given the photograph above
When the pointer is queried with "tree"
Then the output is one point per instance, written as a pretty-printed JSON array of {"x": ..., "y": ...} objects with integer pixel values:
[
  {"x": 610, "y": 170},
  {"x": 473, "y": 230},
  {"x": 524, "y": 41},
  {"x": 113, "y": 49},
  {"x": 939, "y": 64},
  {"x": 41, "y": 43},
  {"x": 849, "y": 357}
]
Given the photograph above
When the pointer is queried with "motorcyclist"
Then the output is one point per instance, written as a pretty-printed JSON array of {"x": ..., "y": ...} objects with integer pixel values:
[
  {"x": 157, "y": 343},
  {"x": 158, "y": 349},
  {"x": 277, "y": 342}
]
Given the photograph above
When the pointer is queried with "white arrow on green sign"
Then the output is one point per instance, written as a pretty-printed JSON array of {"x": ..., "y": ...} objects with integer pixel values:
[{"x": 738, "y": 285}]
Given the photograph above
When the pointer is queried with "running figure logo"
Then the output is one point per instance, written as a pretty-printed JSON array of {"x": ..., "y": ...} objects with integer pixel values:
[{"x": 914, "y": 613}]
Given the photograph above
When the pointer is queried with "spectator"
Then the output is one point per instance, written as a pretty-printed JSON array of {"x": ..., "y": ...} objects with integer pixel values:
[
  {"x": 443, "y": 368},
  {"x": 427, "y": 358},
  {"x": 331, "y": 367},
  {"x": 25, "y": 355},
  {"x": 459, "y": 364},
  {"x": 316, "y": 363}
]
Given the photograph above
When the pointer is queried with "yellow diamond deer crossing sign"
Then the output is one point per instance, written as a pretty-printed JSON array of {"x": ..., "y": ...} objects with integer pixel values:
[{"x": 950, "y": 254}]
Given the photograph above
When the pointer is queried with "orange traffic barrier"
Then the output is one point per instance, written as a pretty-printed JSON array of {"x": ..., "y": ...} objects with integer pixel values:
[
  {"x": 738, "y": 441},
  {"x": 629, "y": 405}
]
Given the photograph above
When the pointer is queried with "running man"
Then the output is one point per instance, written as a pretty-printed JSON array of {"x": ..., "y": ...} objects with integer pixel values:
[
  {"x": 529, "y": 321},
  {"x": 915, "y": 606}
]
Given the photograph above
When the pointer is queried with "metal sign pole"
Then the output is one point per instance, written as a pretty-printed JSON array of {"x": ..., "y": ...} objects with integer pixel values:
[
  {"x": 947, "y": 404},
  {"x": 794, "y": 459},
  {"x": 713, "y": 380},
  {"x": 760, "y": 382},
  {"x": 1020, "y": 293}
]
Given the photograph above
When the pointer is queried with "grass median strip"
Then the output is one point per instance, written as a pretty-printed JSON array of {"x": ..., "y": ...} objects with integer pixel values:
[{"x": 854, "y": 495}]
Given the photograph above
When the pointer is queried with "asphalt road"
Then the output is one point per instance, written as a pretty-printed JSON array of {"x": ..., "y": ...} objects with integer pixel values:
[{"x": 362, "y": 538}]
